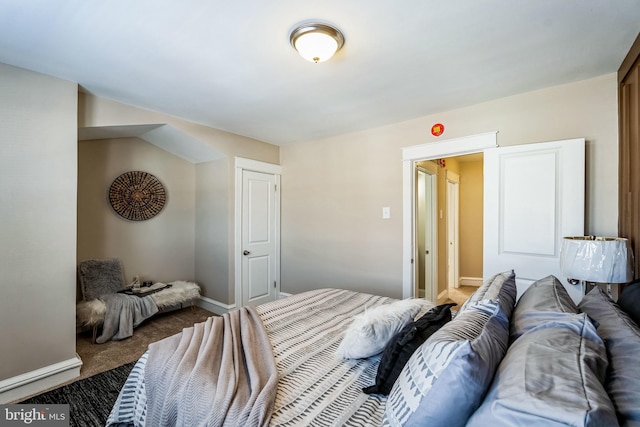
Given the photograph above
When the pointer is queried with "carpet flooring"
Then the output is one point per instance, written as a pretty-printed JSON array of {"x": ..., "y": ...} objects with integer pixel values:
[{"x": 90, "y": 400}]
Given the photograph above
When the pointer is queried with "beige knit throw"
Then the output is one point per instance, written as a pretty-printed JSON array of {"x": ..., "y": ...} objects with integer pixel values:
[{"x": 220, "y": 372}]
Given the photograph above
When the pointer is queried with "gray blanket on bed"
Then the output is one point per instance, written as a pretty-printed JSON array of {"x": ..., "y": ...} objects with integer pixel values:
[
  {"x": 220, "y": 372},
  {"x": 124, "y": 312}
]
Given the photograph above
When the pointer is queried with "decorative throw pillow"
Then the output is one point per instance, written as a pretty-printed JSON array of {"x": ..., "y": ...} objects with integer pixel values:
[
  {"x": 403, "y": 344},
  {"x": 100, "y": 277},
  {"x": 501, "y": 287},
  {"x": 629, "y": 301},
  {"x": 544, "y": 299},
  {"x": 552, "y": 375},
  {"x": 622, "y": 339},
  {"x": 447, "y": 377},
  {"x": 369, "y": 332}
]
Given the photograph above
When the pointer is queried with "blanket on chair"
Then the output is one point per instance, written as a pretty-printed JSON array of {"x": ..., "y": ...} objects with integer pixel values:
[
  {"x": 220, "y": 372},
  {"x": 124, "y": 312}
]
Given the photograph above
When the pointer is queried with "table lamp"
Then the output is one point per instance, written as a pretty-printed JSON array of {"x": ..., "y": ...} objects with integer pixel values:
[{"x": 596, "y": 260}]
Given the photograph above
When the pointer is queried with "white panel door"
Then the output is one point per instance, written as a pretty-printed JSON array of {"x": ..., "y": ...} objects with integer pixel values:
[
  {"x": 534, "y": 196},
  {"x": 453, "y": 227},
  {"x": 258, "y": 238}
]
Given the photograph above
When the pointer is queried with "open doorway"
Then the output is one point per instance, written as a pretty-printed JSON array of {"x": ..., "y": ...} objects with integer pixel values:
[
  {"x": 449, "y": 227},
  {"x": 524, "y": 216}
]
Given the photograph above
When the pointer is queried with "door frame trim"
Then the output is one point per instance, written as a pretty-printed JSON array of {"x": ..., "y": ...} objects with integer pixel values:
[
  {"x": 410, "y": 155},
  {"x": 242, "y": 164}
]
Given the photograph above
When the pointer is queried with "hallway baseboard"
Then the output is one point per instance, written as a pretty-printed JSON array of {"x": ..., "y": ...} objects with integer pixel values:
[{"x": 470, "y": 281}]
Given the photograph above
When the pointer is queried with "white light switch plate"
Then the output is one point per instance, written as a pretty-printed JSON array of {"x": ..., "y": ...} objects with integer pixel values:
[{"x": 386, "y": 213}]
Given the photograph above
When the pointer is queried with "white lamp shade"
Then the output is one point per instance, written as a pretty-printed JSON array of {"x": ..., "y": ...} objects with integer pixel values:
[
  {"x": 597, "y": 259},
  {"x": 316, "y": 47}
]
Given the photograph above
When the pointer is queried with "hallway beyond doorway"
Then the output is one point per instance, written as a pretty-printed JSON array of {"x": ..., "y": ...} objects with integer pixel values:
[{"x": 459, "y": 295}]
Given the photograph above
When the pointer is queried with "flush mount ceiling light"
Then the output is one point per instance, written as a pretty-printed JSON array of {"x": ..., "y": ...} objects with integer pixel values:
[{"x": 316, "y": 42}]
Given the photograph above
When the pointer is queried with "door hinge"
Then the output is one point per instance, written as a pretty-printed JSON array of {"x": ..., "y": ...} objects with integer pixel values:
[
  {"x": 274, "y": 284},
  {"x": 275, "y": 187}
]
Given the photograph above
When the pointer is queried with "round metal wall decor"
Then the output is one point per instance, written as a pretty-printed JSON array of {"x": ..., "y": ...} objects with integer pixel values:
[{"x": 137, "y": 196}]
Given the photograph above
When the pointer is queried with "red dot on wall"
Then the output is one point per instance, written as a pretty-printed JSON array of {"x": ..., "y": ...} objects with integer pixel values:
[{"x": 437, "y": 129}]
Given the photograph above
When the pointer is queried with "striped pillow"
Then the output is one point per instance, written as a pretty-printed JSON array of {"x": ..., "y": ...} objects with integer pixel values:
[
  {"x": 447, "y": 377},
  {"x": 501, "y": 286}
]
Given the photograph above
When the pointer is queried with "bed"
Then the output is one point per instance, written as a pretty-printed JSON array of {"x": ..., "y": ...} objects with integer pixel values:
[
  {"x": 305, "y": 331},
  {"x": 473, "y": 370}
]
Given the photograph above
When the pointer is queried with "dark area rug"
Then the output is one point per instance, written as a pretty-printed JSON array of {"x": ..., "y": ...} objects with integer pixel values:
[{"x": 91, "y": 399}]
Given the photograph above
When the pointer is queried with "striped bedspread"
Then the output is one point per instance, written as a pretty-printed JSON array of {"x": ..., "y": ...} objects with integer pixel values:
[{"x": 315, "y": 388}]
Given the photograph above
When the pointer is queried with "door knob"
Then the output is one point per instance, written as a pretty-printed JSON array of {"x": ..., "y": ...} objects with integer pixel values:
[{"x": 246, "y": 252}]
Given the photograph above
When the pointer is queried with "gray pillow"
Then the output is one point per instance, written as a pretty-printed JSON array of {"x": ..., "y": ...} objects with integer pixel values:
[
  {"x": 501, "y": 287},
  {"x": 446, "y": 378},
  {"x": 100, "y": 277},
  {"x": 546, "y": 295},
  {"x": 622, "y": 339},
  {"x": 552, "y": 375}
]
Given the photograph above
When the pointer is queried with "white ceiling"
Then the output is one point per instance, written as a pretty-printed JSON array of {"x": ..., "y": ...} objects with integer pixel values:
[{"x": 229, "y": 64}]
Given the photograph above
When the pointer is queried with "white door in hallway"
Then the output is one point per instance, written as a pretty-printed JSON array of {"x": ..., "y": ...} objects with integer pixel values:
[
  {"x": 453, "y": 226},
  {"x": 534, "y": 196},
  {"x": 259, "y": 237}
]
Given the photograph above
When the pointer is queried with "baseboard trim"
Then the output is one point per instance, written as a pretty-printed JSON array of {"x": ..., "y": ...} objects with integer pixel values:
[
  {"x": 35, "y": 382},
  {"x": 220, "y": 308},
  {"x": 470, "y": 281},
  {"x": 214, "y": 306}
]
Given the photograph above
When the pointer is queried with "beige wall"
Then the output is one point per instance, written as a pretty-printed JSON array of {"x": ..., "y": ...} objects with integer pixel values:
[
  {"x": 160, "y": 249},
  {"x": 333, "y": 234},
  {"x": 471, "y": 215},
  {"x": 38, "y": 140},
  {"x": 333, "y": 190},
  {"x": 213, "y": 263}
]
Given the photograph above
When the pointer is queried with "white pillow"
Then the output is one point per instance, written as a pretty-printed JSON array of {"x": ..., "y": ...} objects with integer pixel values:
[{"x": 370, "y": 331}]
